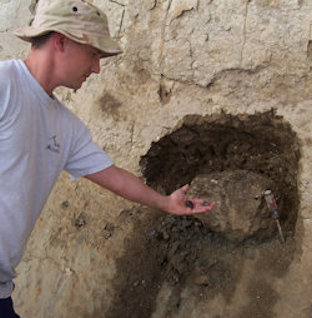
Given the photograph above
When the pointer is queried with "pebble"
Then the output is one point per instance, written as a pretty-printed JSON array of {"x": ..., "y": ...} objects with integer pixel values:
[
  {"x": 189, "y": 204},
  {"x": 155, "y": 234}
]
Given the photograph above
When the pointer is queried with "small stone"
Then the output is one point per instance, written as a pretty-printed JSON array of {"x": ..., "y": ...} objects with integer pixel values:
[
  {"x": 106, "y": 234},
  {"x": 155, "y": 234},
  {"x": 165, "y": 236},
  {"x": 65, "y": 204},
  {"x": 189, "y": 204}
]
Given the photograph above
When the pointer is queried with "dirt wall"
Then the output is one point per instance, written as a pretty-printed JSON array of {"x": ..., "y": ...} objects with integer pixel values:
[{"x": 181, "y": 57}]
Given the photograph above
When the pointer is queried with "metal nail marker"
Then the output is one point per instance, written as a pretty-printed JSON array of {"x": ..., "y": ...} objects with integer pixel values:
[{"x": 272, "y": 206}]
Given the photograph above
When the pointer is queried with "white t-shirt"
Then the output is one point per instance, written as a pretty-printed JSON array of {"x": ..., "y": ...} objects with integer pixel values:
[{"x": 39, "y": 138}]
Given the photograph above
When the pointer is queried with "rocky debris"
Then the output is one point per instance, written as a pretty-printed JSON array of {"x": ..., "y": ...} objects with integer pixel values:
[
  {"x": 182, "y": 240},
  {"x": 239, "y": 209},
  {"x": 193, "y": 254},
  {"x": 108, "y": 230},
  {"x": 81, "y": 220}
]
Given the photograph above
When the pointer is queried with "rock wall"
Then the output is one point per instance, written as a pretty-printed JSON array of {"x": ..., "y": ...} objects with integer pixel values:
[{"x": 180, "y": 57}]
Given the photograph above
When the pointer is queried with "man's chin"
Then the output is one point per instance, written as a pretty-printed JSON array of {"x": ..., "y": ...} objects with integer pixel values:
[{"x": 75, "y": 87}]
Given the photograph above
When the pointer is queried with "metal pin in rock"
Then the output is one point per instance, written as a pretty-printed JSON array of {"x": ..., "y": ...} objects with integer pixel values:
[{"x": 272, "y": 206}]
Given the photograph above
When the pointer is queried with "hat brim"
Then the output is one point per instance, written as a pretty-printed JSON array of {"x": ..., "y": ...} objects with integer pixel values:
[{"x": 104, "y": 44}]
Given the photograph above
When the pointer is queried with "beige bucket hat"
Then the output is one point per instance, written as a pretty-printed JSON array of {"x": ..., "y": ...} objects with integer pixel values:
[{"x": 79, "y": 20}]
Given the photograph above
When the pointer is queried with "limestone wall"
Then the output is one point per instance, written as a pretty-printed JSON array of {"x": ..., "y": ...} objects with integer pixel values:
[{"x": 180, "y": 57}]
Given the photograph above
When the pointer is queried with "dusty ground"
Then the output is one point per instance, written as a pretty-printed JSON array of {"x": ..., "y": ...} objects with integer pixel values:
[
  {"x": 186, "y": 258},
  {"x": 175, "y": 266}
]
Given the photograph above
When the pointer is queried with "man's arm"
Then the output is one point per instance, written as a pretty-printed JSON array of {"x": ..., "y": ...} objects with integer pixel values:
[{"x": 127, "y": 185}]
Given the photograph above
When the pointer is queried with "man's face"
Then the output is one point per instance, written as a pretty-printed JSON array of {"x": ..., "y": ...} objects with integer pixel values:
[{"x": 79, "y": 61}]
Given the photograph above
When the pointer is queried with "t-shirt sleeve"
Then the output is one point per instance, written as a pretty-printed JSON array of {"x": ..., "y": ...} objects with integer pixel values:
[
  {"x": 86, "y": 157},
  {"x": 5, "y": 93}
]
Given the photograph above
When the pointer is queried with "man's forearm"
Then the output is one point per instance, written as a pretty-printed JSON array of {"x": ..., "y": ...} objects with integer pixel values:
[
  {"x": 127, "y": 185},
  {"x": 132, "y": 188}
]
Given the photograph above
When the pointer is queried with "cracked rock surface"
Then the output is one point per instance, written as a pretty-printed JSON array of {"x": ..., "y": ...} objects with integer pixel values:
[{"x": 203, "y": 87}]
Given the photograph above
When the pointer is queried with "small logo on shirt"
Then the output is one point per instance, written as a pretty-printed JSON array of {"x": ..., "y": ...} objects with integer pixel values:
[{"x": 53, "y": 145}]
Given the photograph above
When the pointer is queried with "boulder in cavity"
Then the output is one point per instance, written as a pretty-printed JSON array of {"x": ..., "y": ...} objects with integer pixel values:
[{"x": 239, "y": 211}]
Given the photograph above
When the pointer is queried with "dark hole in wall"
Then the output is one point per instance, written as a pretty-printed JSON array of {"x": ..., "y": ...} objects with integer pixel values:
[
  {"x": 262, "y": 143},
  {"x": 167, "y": 257}
]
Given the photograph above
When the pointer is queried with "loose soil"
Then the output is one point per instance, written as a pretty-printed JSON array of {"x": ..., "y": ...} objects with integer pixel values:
[{"x": 177, "y": 267}]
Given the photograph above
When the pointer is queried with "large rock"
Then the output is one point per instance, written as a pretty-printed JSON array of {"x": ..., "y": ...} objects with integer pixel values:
[{"x": 239, "y": 209}]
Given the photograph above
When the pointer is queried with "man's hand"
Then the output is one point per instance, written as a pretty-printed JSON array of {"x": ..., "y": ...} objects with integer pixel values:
[
  {"x": 180, "y": 204},
  {"x": 130, "y": 187}
]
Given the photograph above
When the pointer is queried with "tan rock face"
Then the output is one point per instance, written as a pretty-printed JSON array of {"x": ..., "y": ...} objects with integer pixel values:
[
  {"x": 182, "y": 57},
  {"x": 239, "y": 210}
]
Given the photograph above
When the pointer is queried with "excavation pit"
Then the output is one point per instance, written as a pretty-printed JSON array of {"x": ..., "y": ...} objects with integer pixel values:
[
  {"x": 177, "y": 266},
  {"x": 261, "y": 144}
]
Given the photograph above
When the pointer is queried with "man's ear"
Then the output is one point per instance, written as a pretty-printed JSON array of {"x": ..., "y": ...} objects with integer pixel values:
[{"x": 59, "y": 41}]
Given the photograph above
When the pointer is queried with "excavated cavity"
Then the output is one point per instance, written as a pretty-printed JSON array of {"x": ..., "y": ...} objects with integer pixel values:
[
  {"x": 168, "y": 257},
  {"x": 262, "y": 143}
]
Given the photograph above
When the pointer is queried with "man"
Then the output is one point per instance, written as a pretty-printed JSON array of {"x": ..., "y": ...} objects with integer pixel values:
[{"x": 39, "y": 137}]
